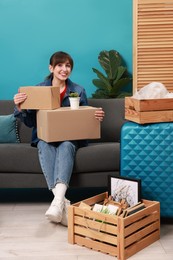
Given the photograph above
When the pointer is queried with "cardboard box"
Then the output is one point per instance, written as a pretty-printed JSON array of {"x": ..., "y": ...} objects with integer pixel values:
[
  {"x": 149, "y": 110},
  {"x": 68, "y": 124},
  {"x": 114, "y": 235},
  {"x": 41, "y": 97}
]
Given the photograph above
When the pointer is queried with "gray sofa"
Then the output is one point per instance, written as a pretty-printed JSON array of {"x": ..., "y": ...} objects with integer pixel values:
[{"x": 19, "y": 164}]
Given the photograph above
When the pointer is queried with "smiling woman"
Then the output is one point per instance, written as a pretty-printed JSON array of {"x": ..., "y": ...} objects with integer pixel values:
[{"x": 56, "y": 158}]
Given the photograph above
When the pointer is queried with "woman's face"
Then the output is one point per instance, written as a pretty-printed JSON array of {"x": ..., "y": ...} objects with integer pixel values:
[{"x": 61, "y": 71}]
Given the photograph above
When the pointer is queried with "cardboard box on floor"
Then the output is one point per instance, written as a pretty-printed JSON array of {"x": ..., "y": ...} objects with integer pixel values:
[
  {"x": 68, "y": 124},
  {"x": 41, "y": 97}
]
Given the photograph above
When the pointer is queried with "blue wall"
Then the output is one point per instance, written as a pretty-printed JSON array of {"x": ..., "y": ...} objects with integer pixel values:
[{"x": 31, "y": 30}]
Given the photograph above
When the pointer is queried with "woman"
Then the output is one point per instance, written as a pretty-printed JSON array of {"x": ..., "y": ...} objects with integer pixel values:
[{"x": 56, "y": 159}]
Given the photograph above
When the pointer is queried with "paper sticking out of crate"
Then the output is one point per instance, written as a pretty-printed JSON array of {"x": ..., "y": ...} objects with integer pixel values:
[
  {"x": 151, "y": 104},
  {"x": 110, "y": 209}
]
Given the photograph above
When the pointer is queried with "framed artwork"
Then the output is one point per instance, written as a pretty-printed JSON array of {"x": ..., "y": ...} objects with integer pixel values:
[{"x": 122, "y": 188}]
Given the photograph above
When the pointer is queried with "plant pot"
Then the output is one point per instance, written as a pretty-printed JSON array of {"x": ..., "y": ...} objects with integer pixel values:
[{"x": 74, "y": 102}]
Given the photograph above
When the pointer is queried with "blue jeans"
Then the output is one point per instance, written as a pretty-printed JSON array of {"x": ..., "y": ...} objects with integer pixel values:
[{"x": 56, "y": 160}]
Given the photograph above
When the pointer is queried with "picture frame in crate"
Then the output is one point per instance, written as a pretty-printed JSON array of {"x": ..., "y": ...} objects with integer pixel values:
[{"x": 124, "y": 188}]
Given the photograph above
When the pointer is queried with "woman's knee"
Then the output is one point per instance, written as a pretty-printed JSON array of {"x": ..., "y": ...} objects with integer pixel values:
[
  {"x": 42, "y": 145},
  {"x": 68, "y": 145}
]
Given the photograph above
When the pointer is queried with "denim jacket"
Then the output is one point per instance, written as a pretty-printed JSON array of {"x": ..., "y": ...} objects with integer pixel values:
[{"x": 28, "y": 117}]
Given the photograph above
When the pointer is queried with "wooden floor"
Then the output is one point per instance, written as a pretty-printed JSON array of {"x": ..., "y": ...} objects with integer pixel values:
[{"x": 25, "y": 233}]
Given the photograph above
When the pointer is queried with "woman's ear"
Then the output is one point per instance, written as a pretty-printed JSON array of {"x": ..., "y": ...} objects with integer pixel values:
[{"x": 51, "y": 68}]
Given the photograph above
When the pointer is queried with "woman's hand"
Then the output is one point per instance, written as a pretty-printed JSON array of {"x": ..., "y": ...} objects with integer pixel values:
[
  {"x": 99, "y": 114},
  {"x": 18, "y": 99}
]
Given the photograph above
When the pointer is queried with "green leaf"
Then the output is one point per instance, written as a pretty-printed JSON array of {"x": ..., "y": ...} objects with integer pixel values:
[
  {"x": 120, "y": 84},
  {"x": 100, "y": 94},
  {"x": 120, "y": 72},
  {"x": 99, "y": 83},
  {"x": 110, "y": 60},
  {"x": 103, "y": 78}
]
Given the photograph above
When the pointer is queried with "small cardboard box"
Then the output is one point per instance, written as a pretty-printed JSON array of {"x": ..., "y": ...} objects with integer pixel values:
[
  {"x": 41, "y": 97},
  {"x": 114, "y": 235},
  {"x": 149, "y": 110},
  {"x": 68, "y": 124}
]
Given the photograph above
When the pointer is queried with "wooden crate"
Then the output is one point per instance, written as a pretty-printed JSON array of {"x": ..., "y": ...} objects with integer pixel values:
[
  {"x": 149, "y": 110},
  {"x": 113, "y": 235}
]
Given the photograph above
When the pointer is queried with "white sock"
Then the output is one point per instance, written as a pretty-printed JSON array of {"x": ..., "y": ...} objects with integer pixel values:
[
  {"x": 54, "y": 191},
  {"x": 60, "y": 190}
]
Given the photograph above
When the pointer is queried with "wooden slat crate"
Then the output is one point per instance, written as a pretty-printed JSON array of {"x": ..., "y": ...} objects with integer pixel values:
[
  {"x": 149, "y": 110},
  {"x": 113, "y": 235}
]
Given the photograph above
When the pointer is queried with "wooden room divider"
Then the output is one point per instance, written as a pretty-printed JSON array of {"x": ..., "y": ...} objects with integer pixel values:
[{"x": 152, "y": 43}]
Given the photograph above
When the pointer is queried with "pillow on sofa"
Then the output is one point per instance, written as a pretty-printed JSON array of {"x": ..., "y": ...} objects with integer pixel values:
[{"x": 9, "y": 129}]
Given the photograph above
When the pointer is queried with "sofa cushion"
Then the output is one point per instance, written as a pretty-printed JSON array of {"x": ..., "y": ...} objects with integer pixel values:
[
  {"x": 19, "y": 158},
  {"x": 7, "y": 108},
  {"x": 9, "y": 129},
  {"x": 98, "y": 157}
]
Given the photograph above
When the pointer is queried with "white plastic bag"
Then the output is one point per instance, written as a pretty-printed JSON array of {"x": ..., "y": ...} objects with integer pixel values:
[
  {"x": 151, "y": 91},
  {"x": 169, "y": 95}
]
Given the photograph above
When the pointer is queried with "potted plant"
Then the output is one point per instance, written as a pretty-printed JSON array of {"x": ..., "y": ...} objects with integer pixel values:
[
  {"x": 74, "y": 100},
  {"x": 112, "y": 84}
]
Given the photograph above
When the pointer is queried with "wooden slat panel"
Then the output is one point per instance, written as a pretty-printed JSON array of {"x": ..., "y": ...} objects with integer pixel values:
[
  {"x": 148, "y": 104},
  {"x": 93, "y": 224},
  {"x": 146, "y": 241},
  {"x": 141, "y": 223},
  {"x": 137, "y": 236},
  {"x": 153, "y": 43},
  {"x": 93, "y": 234},
  {"x": 149, "y": 117},
  {"x": 98, "y": 246}
]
